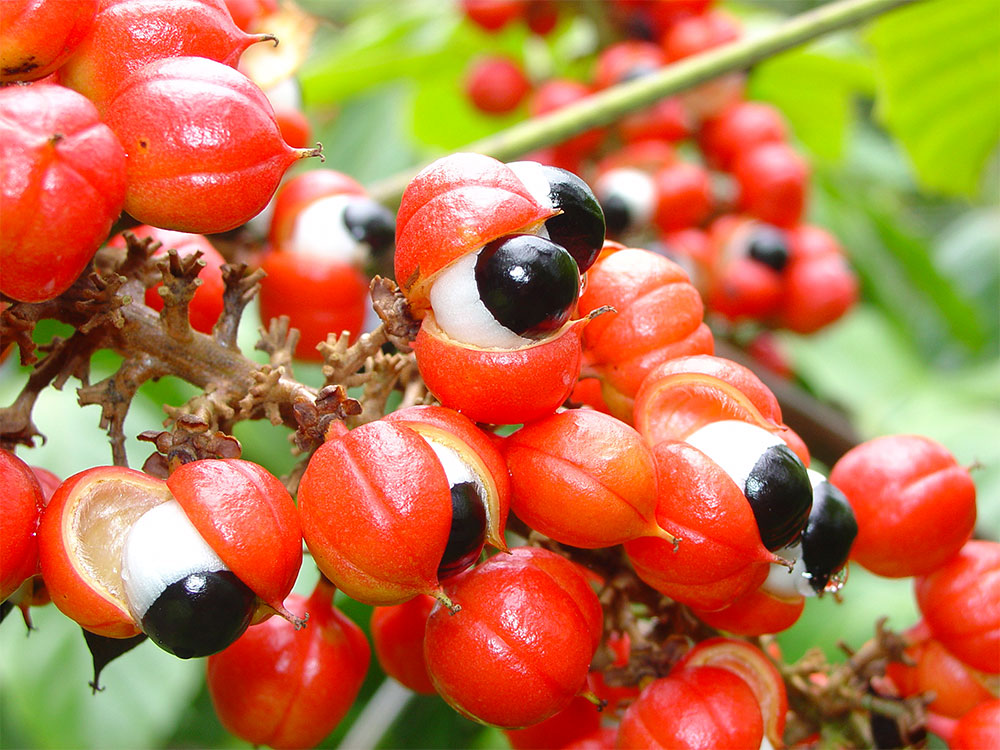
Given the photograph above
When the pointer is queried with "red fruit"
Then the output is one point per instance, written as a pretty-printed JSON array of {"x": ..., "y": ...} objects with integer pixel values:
[
  {"x": 773, "y": 181},
  {"x": 39, "y": 36},
  {"x": 179, "y": 177},
  {"x": 702, "y": 708},
  {"x": 583, "y": 478},
  {"x": 757, "y": 613},
  {"x": 750, "y": 664},
  {"x": 521, "y": 647},
  {"x": 657, "y": 317},
  {"x": 492, "y": 15},
  {"x": 719, "y": 555},
  {"x": 62, "y": 186},
  {"x": 625, "y": 61},
  {"x": 451, "y": 208},
  {"x": 243, "y": 514},
  {"x": 578, "y": 720},
  {"x": 324, "y": 230},
  {"x": 956, "y": 688},
  {"x": 128, "y": 34},
  {"x": 739, "y": 128},
  {"x": 915, "y": 505},
  {"x": 960, "y": 602},
  {"x": 285, "y": 687},
  {"x": 697, "y": 33},
  {"x": 398, "y": 638},
  {"x": 683, "y": 196},
  {"x": 496, "y": 85},
  {"x": 247, "y": 13},
  {"x": 542, "y": 16},
  {"x": 21, "y": 503},
  {"x": 979, "y": 728},
  {"x": 667, "y": 120},
  {"x": 500, "y": 386},
  {"x": 745, "y": 268},
  {"x": 819, "y": 284}
]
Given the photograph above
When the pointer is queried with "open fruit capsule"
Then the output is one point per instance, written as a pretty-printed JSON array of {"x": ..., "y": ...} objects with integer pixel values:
[{"x": 191, "y": 561}]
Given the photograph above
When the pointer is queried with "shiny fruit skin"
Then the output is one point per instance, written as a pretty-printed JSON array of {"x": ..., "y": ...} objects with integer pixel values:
[
  {"x": 98, "y": 611},
  {"x": 538, "y": 610},
  {"x": 180, "y": 178},
  {"x": 960, "y": 602},
  {"x": 367, "y": 495},
  {"x": 979, "y": 728},
  {"x": 657, "y": 316},
  {"x": 686, "y": 393},
  {"x": 398, "y": 639},
  {"x": 288, "y": 688},
  {"x": 128, "y": 34},
  {"x": 719, "y": 556},
  {"x": 583, "y": 478},
  {"x": 39, "y": 35},
  {"x": 500, "y": 386},
  {"x": 773, "y": 181},
  {"x": 62, "y": 185},
  {"x": 247, "y": 516},
  {"x": 957, "y": 689},
  {"x": 21, "y": 503},
  {"x": 451, "y": 208},
  {"x": 578, "y": 720},
  {"x": 749, "y": 663},
  {"x": 702, "y": 708},
  {"x": 756, "y": 613},
  {"x": 915, "y": 505},
  {"x": 496, "y": 85}
]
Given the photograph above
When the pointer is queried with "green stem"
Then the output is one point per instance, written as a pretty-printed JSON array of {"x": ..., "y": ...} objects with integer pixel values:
[{"x": 611, "y": 104}]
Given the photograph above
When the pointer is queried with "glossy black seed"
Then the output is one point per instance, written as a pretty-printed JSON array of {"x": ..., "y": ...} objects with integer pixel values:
[
  {"x": 828, "y": 535},
  {"x": 768, "y": 245},
  {"x": 370, "y": 222},
  {"x": 780, "y": 495},
  {"x": 468, "y": 530},
  {"x": 528, "y": 283},
  {"x": 580, "y": 227},
  {"x": 200, "y": 614},
  {"x": 617, "y": 215}
]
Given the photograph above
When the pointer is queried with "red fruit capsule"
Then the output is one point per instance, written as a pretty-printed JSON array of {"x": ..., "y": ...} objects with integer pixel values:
[
  {"x": 683, "y": 196},
  {"x": 956, "y": 688},
  {"x": 379, "y": 507},
  {"x": 398, "y": 639},
  {"x": 62, "y": 185},
  {"x": 979, "y": 728},
  {"x": 773, "y": 181},
  {"x": 39, "y": 35},
  {"x": 738, "y": 129},
  {"x": 204, "y": 151},
  {"x": 908, "y": 493},
  {"x": 577, "y": 721},
  {"x": 960, "y": 602},
  {"x": 758, "y": 613},
  {"x": 128, "y": 34},
  {"x": 701, "y": 708},
  {"x": 819, "y": 285},
  {"x": 496, "y": 85},
  {"x": 21, "y": 502},
  {"x": 288, "y": 688},
  {"x": 521, "y": 647},
  {"x": 657, "y": 316},
  {"x": 583, "y": 478}
]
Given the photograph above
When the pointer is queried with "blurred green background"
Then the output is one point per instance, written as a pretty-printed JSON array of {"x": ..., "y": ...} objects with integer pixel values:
[{"x": 900, "y": 120}]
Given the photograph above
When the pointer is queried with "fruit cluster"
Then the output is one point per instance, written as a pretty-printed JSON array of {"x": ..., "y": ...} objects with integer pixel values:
[
  {"x": 707, "y": 177},
  {"x": 596, "y": 512},
  {"x": 123, "y": 104}
]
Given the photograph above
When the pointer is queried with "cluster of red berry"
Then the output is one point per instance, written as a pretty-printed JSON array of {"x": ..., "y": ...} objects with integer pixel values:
[
  {"x": 133, "y": 105},
  {"x": 732, "y": 215},
  {"x": 677, "y": 463}
]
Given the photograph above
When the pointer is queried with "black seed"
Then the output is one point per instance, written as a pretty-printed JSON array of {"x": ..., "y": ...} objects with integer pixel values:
[
  {"x": 528, "y": 283},
  {"x": 780, "y": 495},
  {"x": 580, "y": 226},
  {"x": 370, "y": 222},
  {"x": 828, "y": 535},
  {"x": 468, "y": 530},
  {"x": 617, "y": 215},
  {"x": 768, "y": 245},
  {"x": 200, "y": 614}
]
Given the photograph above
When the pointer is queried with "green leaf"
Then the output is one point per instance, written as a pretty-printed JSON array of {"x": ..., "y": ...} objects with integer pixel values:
[
  {"x": 44, "y": 678},
  {"x": 938, "y": 70},
  {"x": 815, "y": 89}
]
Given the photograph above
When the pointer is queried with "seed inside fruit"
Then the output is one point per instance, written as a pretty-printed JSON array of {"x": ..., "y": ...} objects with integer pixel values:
[
  {"x": 767, "y": 244},
  {"x": 628, "y": 198},
  {"x": 828, "y": 534}
]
